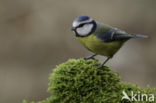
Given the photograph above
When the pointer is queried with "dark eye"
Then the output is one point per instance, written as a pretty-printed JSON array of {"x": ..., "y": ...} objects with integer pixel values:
[{"x": 81, "y": 25}]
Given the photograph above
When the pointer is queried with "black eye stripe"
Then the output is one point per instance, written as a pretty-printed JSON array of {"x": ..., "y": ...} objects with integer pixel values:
[{"x": 81, "y": 25}]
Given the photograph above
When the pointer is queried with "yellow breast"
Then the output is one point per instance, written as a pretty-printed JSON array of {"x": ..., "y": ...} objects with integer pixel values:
[{"x": 98, "y": 46}]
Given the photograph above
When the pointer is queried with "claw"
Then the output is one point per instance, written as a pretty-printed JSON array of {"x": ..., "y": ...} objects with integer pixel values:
[
  {"x": 101, "y": 66},
  {"x": 90, "y": 57},
  {"x": 86, "y": 58}
]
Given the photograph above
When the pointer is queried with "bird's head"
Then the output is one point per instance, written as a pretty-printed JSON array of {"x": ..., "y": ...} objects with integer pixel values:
[{"x": 84, "y": 26}]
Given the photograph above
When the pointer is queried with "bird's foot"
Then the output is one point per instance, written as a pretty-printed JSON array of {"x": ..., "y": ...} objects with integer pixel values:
[
  {"x": 101, "y": 66},
  {"x": 90, "y": 57},
  {"x": 87, "y": 58}
]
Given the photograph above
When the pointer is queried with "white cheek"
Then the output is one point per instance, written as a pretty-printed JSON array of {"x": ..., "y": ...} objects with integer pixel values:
[{"x": 85, "y": 30}]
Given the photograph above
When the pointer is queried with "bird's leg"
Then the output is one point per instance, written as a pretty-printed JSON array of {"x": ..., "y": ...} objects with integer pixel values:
[
  {"x": 90, "y": 57},
  {"x": 104, "y": 62}
]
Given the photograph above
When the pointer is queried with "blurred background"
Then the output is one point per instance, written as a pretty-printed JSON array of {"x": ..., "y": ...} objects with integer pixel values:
[{"x": 35, "y": 36}]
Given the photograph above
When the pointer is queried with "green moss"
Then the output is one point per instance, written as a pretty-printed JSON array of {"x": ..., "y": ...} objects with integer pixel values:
[{"x": 80, "y": 81}]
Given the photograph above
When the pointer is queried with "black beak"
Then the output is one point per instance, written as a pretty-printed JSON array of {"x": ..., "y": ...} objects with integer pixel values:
[{"x": 73, "y": 29}]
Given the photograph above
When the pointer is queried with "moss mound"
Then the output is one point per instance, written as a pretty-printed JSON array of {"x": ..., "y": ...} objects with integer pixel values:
[{"x": 80, "y": 81}]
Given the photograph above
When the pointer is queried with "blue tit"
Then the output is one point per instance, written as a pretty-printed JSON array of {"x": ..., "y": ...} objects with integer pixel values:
[{"x": 99, "y": 38}]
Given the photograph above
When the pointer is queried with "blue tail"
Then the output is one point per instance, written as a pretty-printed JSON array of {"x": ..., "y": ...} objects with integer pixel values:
[{"x": 140, "y": 36}]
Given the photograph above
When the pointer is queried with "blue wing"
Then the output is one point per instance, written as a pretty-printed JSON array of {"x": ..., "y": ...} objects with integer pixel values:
[{"x": 114, "y": 35}]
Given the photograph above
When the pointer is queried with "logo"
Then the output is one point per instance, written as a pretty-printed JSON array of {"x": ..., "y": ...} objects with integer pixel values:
[{"x": 137, "y": 96}]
